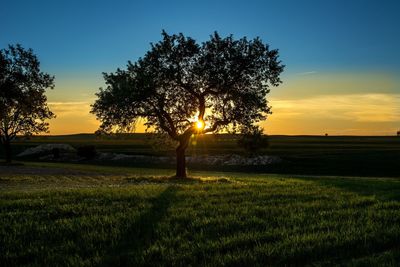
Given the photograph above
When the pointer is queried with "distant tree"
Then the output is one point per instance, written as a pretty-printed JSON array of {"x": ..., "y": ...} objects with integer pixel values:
[
  {"x": 398, "y": 133},
  {"x": 253, "y": 140},
  {"x": 23, "y": 104},
  {"x": 182, "y": 88}
]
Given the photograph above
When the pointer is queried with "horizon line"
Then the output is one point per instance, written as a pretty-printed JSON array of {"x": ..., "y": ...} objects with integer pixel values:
[{"x": 322, "y": 135}]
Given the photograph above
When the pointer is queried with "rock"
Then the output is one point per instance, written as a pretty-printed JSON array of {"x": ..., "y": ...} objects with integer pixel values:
[
  {"x": 68, "y": 153},
  {"x": 46, "y": 149},
  {"x": 121, "y": 157},
  {"x": 231, "y": 160}
]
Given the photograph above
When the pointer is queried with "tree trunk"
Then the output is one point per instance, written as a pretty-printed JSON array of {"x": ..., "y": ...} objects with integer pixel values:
[
  {"x": 180, "y": 158},
  {"x": 7, "y": 151},
  {"x": 180, "y": 163}
]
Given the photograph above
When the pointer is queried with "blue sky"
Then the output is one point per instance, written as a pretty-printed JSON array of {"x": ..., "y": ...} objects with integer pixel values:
[
  {"x": 83, "y": 35},
  {"x": 321, "y": 40}
]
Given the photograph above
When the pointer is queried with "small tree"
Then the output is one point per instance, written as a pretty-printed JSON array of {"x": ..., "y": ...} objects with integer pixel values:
[
  {"x": 253, "y": 140},
  {"x": 182, "y": 88},
  {"x": 23, "y": 107}
]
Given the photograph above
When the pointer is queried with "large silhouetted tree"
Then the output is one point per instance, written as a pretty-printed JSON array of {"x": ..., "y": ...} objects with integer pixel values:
[
  {"x": 183, "y": 88},
  {"x": 23, "y": 107}
]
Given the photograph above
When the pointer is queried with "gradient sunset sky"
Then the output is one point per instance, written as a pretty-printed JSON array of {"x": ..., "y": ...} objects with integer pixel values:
[{"x": 342, "y": 58}]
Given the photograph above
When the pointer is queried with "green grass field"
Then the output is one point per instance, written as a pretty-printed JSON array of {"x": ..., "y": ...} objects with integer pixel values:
[{"x": 115, "y": 216}]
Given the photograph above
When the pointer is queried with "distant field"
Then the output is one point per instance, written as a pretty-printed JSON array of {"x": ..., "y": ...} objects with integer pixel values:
[
  {"x": 84, "y": 215},
  {"x": 317, "y": 155}
]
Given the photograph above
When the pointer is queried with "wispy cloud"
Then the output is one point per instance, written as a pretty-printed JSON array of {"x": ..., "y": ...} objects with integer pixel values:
[
  {"x": 354, "y": 107},
  {"x": 70, "y": 108},
  {"x": 72, "y": 117},
  {"x": 306, "y": 73}
]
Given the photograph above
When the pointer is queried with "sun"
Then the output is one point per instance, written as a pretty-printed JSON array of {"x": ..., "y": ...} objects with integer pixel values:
[{"x": 199, "y": 124}]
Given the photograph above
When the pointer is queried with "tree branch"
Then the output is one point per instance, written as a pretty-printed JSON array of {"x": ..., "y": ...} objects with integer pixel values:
[
  {"x": 162, "y": 115},
  {"x": 215, "y": 126},
  {"x": 188, "y": 88},
  {"x": 202, "y": 108}
]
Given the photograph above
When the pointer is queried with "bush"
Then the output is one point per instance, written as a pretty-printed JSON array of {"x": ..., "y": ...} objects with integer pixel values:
[
  {"x": 88, "y": 152},
  {"x": 253, "y": 140},
  {"x": 56, "y": 153}
]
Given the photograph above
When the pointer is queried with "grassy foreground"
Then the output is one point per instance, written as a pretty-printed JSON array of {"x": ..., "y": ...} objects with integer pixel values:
[{"x": 138, "y": 217}]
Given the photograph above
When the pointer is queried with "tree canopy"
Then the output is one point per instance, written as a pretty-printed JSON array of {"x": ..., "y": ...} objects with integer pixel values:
[
  {"x": 23, "y": 103},
  {"x": 181, "y": 87}
]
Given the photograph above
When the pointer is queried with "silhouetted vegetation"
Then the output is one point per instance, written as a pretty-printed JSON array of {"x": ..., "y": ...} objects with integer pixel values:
[
  {"x": 174, "y": 84},
  {"x": 56, "y": 153},
  {"x": 253, "y": 140},
  {"x": 87, "y": 152},
  {"x": 23, "y": 104}
]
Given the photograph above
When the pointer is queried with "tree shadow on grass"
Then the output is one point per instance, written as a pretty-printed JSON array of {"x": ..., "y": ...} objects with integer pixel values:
[{"x": 129, "y": 250}]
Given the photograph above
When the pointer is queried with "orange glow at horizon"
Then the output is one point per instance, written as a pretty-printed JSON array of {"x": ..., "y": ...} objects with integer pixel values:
[{"x": 362, "y": 104}]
